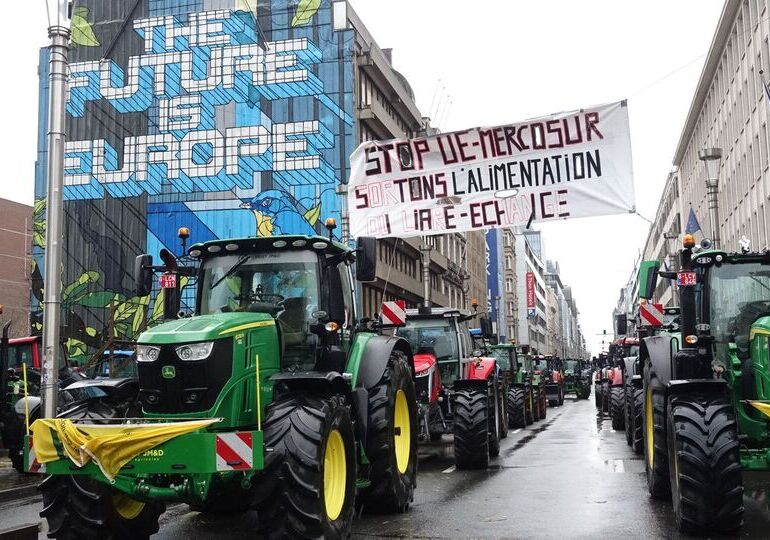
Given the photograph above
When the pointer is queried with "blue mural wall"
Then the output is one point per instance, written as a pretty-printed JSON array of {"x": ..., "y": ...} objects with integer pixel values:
[
  {"x": 231, "y": 117},
  {"x": 494, "y": 249}
]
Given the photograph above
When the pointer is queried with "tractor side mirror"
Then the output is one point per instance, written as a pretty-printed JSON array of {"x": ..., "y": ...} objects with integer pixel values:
[
  {"x": 366, "y": 259},
  {"x": 336, "y": 303},
  {"x": 143, "y": 275},
  {"x": 648, "y": 278}
]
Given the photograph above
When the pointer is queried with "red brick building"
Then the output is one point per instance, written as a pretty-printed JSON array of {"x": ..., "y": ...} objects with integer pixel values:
[{"x": 15, "y": 260}]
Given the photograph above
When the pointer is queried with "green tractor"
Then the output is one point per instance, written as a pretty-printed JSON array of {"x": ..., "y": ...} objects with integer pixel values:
[
  {"x": 528, "y": 389},
  {"x": 707, "y": 394},
  {"x": 577, "y": 378},
  {"x": 313, "y": 409}
]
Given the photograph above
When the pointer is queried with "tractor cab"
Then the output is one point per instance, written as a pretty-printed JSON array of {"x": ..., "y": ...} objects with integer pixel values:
[{"x": 507, "y": 359}]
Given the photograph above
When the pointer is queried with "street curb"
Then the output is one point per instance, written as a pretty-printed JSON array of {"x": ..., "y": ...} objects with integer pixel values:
[{"x": 18, "y": 492}]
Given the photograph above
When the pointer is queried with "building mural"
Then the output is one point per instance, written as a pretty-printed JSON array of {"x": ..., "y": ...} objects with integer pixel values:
[{"x": 230, "y": 117}]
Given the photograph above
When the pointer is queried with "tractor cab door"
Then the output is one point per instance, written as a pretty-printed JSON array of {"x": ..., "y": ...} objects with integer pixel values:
[{"x": 340, "y": 317}]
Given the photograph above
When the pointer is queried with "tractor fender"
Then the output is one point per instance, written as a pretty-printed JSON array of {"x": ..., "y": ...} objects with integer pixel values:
[
  {"x": 708, "y": 386},
  {"x": 629, "y": 367},
  {"x": 375, "y": 358},
  {"x": 482, "y": 369},
  {"x": 657, "y": 352}
]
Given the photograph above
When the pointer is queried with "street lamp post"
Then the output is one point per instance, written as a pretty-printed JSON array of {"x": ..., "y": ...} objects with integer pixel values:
[
  {"x": 59, "y": 32},
  {"x": 712, "y": 158}
]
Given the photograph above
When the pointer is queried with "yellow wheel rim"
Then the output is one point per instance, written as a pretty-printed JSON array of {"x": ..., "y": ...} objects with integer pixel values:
[
  {"x": 335, "y": 475},
  {"x": 649, "y": 428},
  {"x": 126, "y": 507},
  {"x": 402, "y": 438}
]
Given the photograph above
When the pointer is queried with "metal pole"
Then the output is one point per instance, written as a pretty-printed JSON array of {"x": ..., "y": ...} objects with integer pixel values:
[
  {"x": 342, "y": 191},
  {"x": 59, "y": 50},
  {"x": 712, "y": 190},
  {"x": 425, "y": 249}
]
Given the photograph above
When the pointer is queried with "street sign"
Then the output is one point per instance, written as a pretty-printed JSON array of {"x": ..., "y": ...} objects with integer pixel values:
[
  {"x": 531, "y": 312},
  {"x": 686, "y": 279},
  {"x": 167, "y": 281},
  {"x": 393, "y": 313},
  {"x": 651, "y": 314}
]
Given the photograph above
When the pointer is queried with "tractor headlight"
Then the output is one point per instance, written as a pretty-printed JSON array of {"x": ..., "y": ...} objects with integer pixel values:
[
  {"x": 195, "y": 351},
  {"x": 145, "y": 353}
]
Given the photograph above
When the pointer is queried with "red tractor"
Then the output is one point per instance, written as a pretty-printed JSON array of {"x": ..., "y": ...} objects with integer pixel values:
[
  {"x": 550, "y": 367},
  {"x": 457, "y": 392}
]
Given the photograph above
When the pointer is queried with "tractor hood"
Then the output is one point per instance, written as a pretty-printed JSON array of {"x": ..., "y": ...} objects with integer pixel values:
[{"x": 204, "y": 328}]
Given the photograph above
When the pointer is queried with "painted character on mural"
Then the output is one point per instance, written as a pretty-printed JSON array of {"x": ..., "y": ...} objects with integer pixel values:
[{"x": 277, "y": 212}]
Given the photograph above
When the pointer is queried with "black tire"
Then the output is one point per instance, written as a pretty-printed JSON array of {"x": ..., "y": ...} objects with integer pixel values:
[
  {"x": 298, "y": 428},
  {"x": 561, "y": 396},
  {"x": 17, "y": 459},
  {"x": 78, "y": 507},
  {"x": 543, "y": 404},
  {"x": 616, "y": 407},
  {"x": 637, "y": 422},
  {"x": 535, "y": 403},
  {"x": 706, "y": 481},
  {"x": 493, "y": 422},
  {"x": 598, "y": 396},
  {"x": 516, "y": 406},
  {"x": 628, "y": 413},
  {"x": 471, "y": 427},
  {"x": 655, "y": 452},
  {"x": 529, "y": 401},
  {"x": 391, "y": 489},
  {"x": 503, "y": 408},
  {"x": 606, "y": 398}
]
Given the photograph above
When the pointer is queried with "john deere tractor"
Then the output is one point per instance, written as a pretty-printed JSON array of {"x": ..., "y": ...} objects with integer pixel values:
[
  {"x": 707, "y": 395},
  {"x": 299, "y": 409},
  {"x": 577, "y": 378}
]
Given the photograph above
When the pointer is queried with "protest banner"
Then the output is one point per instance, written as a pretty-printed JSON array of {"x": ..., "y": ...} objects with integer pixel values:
[{"x": 568, "y": 165}]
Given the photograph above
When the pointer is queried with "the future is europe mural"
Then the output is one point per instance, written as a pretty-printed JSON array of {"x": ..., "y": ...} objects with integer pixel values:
[{"x": 230, "y": 117}]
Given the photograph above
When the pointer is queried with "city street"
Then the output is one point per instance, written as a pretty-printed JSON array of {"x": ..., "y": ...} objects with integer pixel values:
[{"x": 568, "y": 477}]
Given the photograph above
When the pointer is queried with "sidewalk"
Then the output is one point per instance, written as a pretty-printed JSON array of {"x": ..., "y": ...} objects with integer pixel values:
[{"x": 14, "y": 485}]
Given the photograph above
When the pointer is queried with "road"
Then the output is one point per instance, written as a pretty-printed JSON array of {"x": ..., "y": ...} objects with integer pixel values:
[{"x": 570, "y": 476}]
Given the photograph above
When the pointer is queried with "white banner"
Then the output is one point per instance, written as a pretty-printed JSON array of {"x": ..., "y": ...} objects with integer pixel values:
[{"x": 568, "y": 165}]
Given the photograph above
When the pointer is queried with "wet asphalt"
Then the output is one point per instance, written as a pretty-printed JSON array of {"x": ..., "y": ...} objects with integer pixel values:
[{"x": 569, "y": 476}]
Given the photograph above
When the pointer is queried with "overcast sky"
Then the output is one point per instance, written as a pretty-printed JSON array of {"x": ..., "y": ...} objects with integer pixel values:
[{"x": 498, "y": 62}]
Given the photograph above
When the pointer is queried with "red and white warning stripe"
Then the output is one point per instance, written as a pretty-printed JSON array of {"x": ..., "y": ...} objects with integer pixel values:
[
  {"x": 34, "y": 465},
  {"x": 651, "y": 314},
  {"x": 234, "y": 451},
  {"x": 393, "y": 312}
]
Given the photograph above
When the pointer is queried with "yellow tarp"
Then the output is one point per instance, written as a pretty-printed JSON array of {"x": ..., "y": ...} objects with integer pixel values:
[
  {"x": 764, "y": 408},
  {"x": 109, "y": 446}
]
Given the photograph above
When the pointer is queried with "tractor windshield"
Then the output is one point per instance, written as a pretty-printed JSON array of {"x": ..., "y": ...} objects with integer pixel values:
[
  {"x": 540, "y": 364},
  {"x": 282, "y": 283},
  {"x": 504, "y": 358},
  {"x": 437, "y": 337},
  {"x": 572, "y": 366},
  {"x": 739, "y": 295}
]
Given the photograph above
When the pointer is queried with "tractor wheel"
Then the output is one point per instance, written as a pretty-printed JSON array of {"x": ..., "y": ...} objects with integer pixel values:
[
  {"x": 543, "y": 404},
  {"x": 493, "y": 423},
  {"x": 616, "y": 407},
  {"x": 17, "y": 459},
  {"x": 516, "y": 408},
  {"x": 561, "y": 396},
  {"x": 606, "y": 398},
  {"x": 391, "y": 441},
  {"x": 704, "y": 453},
  {"x": 503, "y": 408},
  {"x": 628, "y": 412},
  {"x": 655, "y": 452},
  {"x": 637, "y": 421},
  {"x": 471, "y": 427},
  {"x": 529, "y": 406},
  {"x": 535, "y": 403},
  {"x": 311, "y": 470},
  {"x": 78, "y": 507},
  {"x": 598, "y": 396}
]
